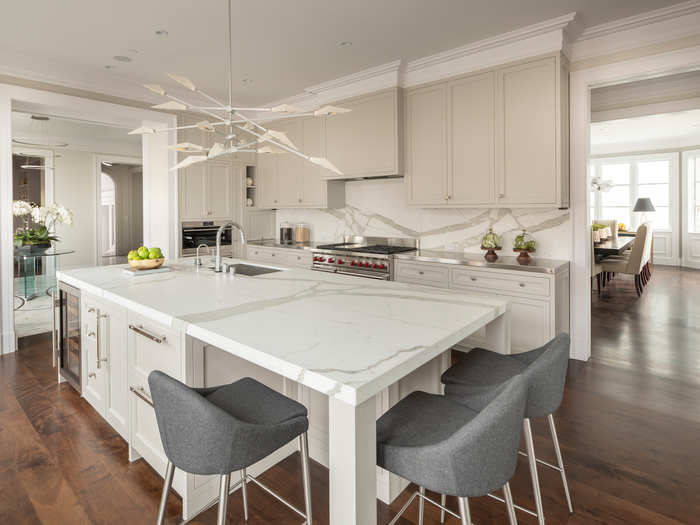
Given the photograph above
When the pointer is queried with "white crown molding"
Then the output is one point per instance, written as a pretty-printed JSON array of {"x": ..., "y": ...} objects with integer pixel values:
[
  {"x": 481, "y": 46},
  {"x": 385, "y": 72},
  {"x": 632, "y": 22}
]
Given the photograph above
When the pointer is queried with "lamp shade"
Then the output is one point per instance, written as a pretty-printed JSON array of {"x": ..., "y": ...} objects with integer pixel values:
[{"x": 643, "y": 204}]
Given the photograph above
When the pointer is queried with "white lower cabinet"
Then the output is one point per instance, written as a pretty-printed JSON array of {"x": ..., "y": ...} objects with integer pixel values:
[
  {"x": 105, "y": 361},
  {"x": 539, "y": 302},
  {"x": 285, "y": 256}
]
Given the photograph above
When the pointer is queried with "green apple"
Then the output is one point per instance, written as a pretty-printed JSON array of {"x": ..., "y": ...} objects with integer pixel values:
[
  {"x": 155, "y": 253},
  {"x": 143, "y": 252},
  {"x": 133, "y": 255}
]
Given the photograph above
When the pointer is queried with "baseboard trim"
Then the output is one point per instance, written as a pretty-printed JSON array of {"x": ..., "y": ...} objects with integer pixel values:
[{"x": 9, "y": 342}]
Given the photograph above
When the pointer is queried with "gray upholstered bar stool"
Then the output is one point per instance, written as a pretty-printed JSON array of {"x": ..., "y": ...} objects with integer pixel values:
[
  {"x": 221, "y": 429},
  {"x": 476, "y": 376},
  {"x": 446, "y": 447}
]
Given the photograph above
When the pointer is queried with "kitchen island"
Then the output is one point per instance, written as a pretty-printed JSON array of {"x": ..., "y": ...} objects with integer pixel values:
[{"x": 346, "y": 347}]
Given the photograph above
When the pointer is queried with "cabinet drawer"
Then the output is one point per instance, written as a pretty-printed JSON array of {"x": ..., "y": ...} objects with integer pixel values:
[
  {"x": 151, "y": 347},
  {"x": 264, "y": 254},
  {"x": 298, "y": 258},
  {"x": 422, "y": 273},
  {"x": 462, "y": 278}
]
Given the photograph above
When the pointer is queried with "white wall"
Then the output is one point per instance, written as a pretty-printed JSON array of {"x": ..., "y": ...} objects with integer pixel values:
[
  {"x": 379, "y": 208},
  {"x": 74, "y": 188}
]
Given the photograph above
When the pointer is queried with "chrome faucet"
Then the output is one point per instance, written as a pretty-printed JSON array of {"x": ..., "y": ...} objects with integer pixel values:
[
  {"x": 218, "y": 267},
  {"x": 197, "y": 260}
]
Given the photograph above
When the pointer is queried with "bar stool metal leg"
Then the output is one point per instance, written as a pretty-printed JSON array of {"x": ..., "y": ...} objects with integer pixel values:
[
  {"x": 443, "y": 502},
  {"x": 167, "y": 482},
  {"x": 560, "y": 461},
  {"x": 464, "y": 511},
  {"x": 421, "y": 505},
  {"x": 304, "y": 446},
  {"x": 244, "y": 493},
  {"x": 532, "y": 461},
  {"x": 512, "y": 520},
  {"x": 224, "y": 485}
]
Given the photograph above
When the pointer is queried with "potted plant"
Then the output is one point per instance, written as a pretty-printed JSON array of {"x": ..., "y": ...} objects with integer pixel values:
[
  {"x": 491, "y": 242},
  {"x": 525, "y": 244},
  {"x": 44, "y": 218}
]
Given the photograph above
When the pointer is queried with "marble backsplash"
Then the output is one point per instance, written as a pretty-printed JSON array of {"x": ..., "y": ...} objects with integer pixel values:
[{"x": 379, "y": 208}]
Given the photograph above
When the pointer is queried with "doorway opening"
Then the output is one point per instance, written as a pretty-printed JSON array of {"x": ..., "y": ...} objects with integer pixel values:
[{"x": 120, "y": 210}]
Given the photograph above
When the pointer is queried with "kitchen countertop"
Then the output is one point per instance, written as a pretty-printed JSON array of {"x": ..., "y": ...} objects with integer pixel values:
[
  {"x": 504, "y": 262},
  {"x": 272, "y": 243},
  {"x": 345, "y": 336}
]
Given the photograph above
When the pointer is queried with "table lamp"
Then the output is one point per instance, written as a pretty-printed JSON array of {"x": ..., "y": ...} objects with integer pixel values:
[{"x": 643, "y": 205}]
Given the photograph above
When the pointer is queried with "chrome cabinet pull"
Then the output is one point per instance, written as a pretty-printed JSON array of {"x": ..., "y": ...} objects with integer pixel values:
[
  {"x": 141, "y": 393},
  {"x": 142, "y": 331},
  {"x": 98, "y": 317}
]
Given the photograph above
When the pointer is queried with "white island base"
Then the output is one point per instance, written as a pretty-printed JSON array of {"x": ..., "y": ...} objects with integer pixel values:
[{"x": 347, "y": 348}]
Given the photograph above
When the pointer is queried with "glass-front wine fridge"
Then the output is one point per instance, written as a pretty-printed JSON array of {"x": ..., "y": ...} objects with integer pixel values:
[{"x": 68, "y": 337}]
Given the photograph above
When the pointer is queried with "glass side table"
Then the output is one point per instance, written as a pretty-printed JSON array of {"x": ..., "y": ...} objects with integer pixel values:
[{"x": 32, "y": 284}]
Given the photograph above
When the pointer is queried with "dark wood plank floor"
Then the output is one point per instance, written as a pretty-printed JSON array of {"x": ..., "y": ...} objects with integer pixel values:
[{"x": 628, "y": 426}]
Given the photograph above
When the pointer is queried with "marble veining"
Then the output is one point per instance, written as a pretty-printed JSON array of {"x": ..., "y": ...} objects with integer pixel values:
[
  {"x": 379, "y": 208},
  {"x": 345, "y": 336}
]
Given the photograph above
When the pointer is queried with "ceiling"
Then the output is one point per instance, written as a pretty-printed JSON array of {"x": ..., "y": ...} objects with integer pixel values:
[
  {"x": 651, "y": 132},
  {"x": 282, "y": 46}
]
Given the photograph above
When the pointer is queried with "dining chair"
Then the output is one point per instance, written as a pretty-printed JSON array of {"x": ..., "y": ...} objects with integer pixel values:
[
  {"x": 637, "y": 263},
  {"x": 596, "y": 268}
]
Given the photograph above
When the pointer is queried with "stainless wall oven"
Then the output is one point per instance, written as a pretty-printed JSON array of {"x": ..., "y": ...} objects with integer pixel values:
[
  {"x": 69, "y": 332},
  {"x": 195, "y": 233}
]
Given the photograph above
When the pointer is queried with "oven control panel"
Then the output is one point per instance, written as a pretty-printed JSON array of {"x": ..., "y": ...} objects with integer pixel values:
[{"x": 369, "y": 266}]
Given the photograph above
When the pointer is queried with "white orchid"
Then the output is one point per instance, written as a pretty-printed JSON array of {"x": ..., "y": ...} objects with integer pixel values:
[{"x": 21, "y": 208}]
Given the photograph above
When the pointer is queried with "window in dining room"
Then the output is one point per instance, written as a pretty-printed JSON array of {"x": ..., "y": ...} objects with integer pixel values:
[{"x": 630, "y": 178}]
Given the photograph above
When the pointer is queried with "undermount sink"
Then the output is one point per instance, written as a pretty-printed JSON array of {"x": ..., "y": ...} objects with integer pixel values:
[{"x": 251, "y": 269}]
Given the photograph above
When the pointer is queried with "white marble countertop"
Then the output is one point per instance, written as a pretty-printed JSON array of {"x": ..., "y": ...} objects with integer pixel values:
[{"x": 345, "y": 336}]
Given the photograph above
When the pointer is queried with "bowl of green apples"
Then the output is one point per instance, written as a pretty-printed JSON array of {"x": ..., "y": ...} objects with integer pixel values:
[{"x": 145, "y": 258}]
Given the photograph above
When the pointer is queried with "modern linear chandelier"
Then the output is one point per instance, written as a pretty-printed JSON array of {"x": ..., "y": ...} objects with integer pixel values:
[{"x": 237, "y": 132}]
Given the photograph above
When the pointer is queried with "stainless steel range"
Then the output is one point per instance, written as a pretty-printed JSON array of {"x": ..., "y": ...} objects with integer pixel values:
[{"x": 362, "y": 256}]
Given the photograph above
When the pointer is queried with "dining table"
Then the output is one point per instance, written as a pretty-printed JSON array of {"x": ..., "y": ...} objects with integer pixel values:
[{"x": 613, "y": 246}]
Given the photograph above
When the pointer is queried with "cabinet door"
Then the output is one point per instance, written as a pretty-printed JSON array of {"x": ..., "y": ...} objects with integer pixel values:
[
  {"x": 95, "y": 383},
  {"x": 192, "y": 192},
  {"x": 266, "y": 180},
  {"x": 114, "y": 330},
  {"x": 313, "y": 188},
  {"x": 289, "y": 166},
  {"x": 471, "y": 115},
  {"x": 527, "y": 111},
  {"x": 364, "y": 142},
  {"x": 219, "y": 191},
  {"x": 426, "y": 145}
]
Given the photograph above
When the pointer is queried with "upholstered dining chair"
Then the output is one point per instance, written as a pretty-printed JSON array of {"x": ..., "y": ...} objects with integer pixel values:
[{"x": 637, "y": 263}]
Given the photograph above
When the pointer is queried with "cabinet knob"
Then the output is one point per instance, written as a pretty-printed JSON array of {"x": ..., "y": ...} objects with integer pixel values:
[
  {"x": 500, "y": 195},
  {"x": 473, "y": 278},
  {"x": 449, "y": 197},
  {"x": 299, "y": 200},
  {"x": 420, "y": 272},
  {"x": 522, "y": 285}
]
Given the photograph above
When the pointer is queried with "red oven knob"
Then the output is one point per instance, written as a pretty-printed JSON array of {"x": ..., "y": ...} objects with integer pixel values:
[
  {"x": 331, "y": 259},
  {"x": 322, "y": 259},
  {"x": 316, "y": 259},
  {"x": 382, "y": 266},
  {"x": 375, "y": 265},
  {"x": 341, "y": 261},
  {"x": 353, "y": 263},
  {"x": 365, "y": 264}
]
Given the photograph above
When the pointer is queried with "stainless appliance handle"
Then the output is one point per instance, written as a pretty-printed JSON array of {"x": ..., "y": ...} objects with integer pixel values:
[
  {"x": 381, "y": 276},
  {"x": 142, "y": 331},
  {"x": 141, "y": 393}
]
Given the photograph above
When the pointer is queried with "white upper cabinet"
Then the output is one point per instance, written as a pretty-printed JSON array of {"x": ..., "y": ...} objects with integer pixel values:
[
  {"x": 496, "y": 138},
  {"x": 426, "y": 145},
  {"x": 286, "y": 180},
  {"x": 471, "y": 139},
  {"x": 366, "y": 142},
  {"x": 206, "y": 191},
  {"x": 527, "y": 133}
]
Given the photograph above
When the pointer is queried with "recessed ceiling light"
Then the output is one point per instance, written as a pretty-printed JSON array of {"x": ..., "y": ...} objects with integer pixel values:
[
  {"x": 345, "y": 43},
  {"x": 121, "y": 58},
  {"x": 161, "y": 32},
  {"x": 247, "y": 80}
]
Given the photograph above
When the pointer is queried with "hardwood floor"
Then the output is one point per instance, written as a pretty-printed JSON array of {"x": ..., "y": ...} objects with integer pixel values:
[{"x": 628, "y": 427}]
